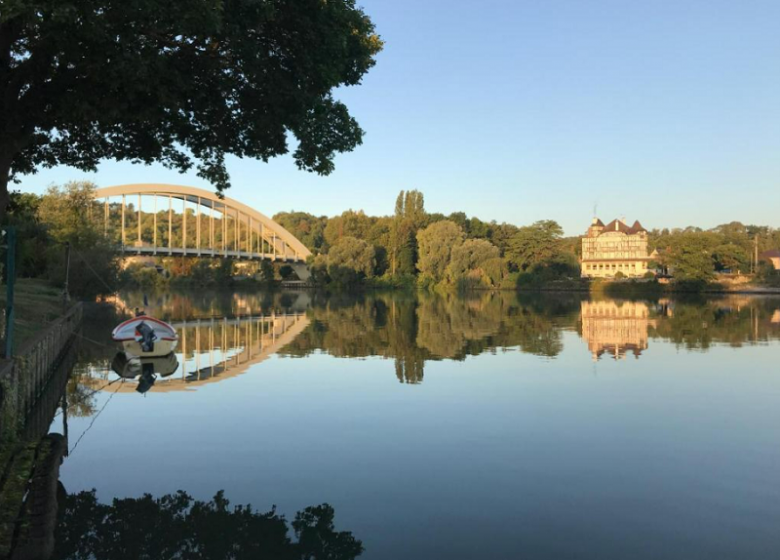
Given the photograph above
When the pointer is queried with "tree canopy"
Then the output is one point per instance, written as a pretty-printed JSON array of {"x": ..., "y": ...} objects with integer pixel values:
[
  {"x": 181, "y": 82},
  {"x": 436, "y": 244},
  {"x": 535, "y": 244},
  {"x": 351, "y": 260},
  {"x": 178, "y": 526}
]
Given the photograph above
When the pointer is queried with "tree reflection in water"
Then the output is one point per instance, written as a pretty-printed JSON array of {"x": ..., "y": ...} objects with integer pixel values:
[
  {"x": 178, "y": 526},
  {"x": 415, "y": 328}
]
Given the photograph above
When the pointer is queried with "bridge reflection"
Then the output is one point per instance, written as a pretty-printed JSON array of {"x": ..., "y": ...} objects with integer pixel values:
[{"x": 214, "y": 349}]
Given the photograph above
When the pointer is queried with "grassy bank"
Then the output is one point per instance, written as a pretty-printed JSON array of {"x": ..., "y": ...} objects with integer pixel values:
[{"x": 37, "y": 303}]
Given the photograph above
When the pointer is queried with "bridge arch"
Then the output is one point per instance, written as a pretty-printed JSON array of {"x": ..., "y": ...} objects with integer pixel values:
[{"x": 229, "y": 229}]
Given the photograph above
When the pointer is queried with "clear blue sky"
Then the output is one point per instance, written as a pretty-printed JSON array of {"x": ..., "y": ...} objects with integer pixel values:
[{"x": 665, "y": 111}]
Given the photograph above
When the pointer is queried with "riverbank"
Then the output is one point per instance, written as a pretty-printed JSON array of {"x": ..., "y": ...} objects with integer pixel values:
[
  {"x": 37, "y": 303},
  {"x": 648, "y": 288}
]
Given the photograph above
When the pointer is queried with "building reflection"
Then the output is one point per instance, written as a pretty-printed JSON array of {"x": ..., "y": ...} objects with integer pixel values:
[
  {"x": 222, "y": 335},
  {"x": 616, "y": 328}
]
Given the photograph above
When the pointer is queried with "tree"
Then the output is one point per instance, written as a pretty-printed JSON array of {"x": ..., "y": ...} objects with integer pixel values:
[
  {"x": 730, "y": 256},
  {"x": 31, "y": 237},
  {"x": 690, "y": 257},
  {"x": 180, "y": 82},
  {"x": 436, "y": 243},
  {"x": 535, "y": 244},
  {"x": 468, "y": 259},
  {"x": 307, "y": 228},
  {"x": 267, "y": 272},
  {"x": 348, "y": 224},
  {"x": 350, "y": 261},
  {"x": 409, "y": 217},
  {"x": 70, "y": 216}
]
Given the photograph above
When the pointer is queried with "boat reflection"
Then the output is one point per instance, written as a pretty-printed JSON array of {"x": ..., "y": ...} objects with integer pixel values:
[
  {"x": 144, "y": 370},
  {"x": 210, "y": 350}
]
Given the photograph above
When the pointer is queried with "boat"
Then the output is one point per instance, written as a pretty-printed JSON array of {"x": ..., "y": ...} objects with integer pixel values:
[{"x": 146, "y": 337}]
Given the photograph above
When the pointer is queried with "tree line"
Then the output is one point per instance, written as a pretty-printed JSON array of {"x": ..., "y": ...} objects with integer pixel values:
[
  {"x": 693, "y": 254},
  {"x": 415, "y": 247},
  {"x": 409, "y": 248}
]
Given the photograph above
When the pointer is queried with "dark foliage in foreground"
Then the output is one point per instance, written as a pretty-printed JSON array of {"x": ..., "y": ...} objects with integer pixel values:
[{"x": 178, "y": 526}]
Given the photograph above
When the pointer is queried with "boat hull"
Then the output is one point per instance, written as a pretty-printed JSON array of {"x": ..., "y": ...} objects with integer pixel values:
[
  {"x": 161, "y": 348},
  {"x": 146, "y": 337}
]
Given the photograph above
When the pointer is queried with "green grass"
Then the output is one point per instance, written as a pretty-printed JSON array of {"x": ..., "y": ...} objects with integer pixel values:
[{"x": 37, "y": 303}]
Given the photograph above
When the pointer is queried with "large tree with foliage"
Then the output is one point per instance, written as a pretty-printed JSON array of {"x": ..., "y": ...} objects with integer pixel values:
[
  {"x": 351, "y": 260},
  {"x": 535, "y": 244},
  {"x": 181, "y": 82},
  {"x": 468, "y": 260},
  {"x": 409, "y": 217},
  {"x": 436, "y": 244},
  {"x": 689, "y": 255},
  {"x": 71, "y": 217}
]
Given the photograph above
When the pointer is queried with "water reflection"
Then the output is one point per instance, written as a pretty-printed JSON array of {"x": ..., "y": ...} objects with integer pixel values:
[
  {"x": 222, "y": 334},
  {"x": 684, "y": 445},
  {"x": 210, "y": 350},
  {"x": 616, "y": 328},
  {"x": 178, "y": 526},
  {"x": 144, "y": 370}
]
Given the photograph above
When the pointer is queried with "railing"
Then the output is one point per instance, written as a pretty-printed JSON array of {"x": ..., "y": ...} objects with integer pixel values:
[{"x": 23, "y": 379}]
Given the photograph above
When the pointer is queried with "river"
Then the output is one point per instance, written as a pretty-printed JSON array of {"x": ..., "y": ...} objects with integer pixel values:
[{"x": 496, "y": 426}]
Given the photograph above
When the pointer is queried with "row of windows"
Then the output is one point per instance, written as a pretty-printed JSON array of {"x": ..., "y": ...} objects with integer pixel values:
[
  {"x": 613, "y": 266},
  {"x": 615, "y": 245},
  {"x": 609, "y": 256}
]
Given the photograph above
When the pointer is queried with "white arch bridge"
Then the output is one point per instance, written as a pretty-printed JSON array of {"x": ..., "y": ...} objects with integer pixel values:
[{"x": 174, "y": 220}]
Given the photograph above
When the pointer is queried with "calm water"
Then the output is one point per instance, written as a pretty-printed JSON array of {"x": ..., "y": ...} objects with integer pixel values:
[{"x": 494, "y": 426}]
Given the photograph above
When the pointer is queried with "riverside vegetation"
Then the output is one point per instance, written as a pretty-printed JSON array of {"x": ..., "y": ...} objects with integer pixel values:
[{"x": 410, "y": 248}]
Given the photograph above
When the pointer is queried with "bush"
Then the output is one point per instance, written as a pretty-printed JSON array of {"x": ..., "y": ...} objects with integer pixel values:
[
  {"x": 285, "y": 271},
  {"x": 690, "y": 285},
  {"x": 143, "y": 276}
]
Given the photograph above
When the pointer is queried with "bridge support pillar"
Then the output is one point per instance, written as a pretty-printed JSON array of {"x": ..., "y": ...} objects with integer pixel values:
[{"x": 302, "y": 270}]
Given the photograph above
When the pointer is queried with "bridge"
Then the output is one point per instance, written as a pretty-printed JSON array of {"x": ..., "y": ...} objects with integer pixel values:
[{"x": 174, "y": 220}]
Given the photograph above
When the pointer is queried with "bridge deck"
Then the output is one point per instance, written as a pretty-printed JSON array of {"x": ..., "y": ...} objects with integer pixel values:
[{"x": 203, "y": 252}]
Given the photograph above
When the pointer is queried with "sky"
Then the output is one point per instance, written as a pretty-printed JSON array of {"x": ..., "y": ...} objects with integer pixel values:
[{"x": 665, "y": 111}]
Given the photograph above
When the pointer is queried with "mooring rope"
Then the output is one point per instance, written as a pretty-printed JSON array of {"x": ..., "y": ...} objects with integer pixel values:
[{"x": 95, "y": 417}]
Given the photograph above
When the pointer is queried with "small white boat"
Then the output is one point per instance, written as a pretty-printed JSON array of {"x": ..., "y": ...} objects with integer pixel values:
[{"x": 146, "y": 337}]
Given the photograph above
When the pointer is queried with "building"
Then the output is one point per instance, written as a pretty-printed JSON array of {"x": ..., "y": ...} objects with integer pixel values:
[
  {"x": 772, "y": 256},
  {"x": 614, "y": 248}
]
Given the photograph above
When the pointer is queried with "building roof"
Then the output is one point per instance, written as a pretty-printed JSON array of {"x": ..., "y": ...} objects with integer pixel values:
[
  {"x": 771, "y": 254},
  {"x": 619, "y": 225}
]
